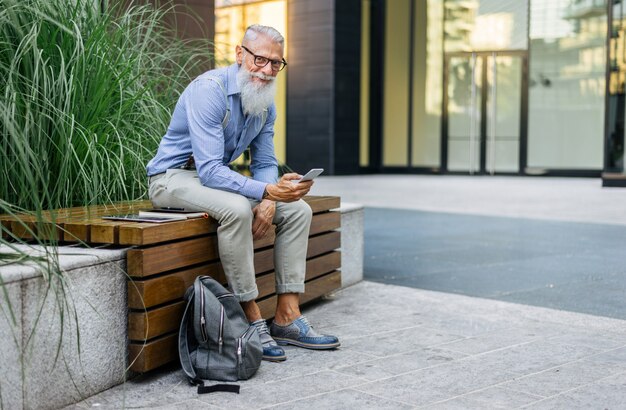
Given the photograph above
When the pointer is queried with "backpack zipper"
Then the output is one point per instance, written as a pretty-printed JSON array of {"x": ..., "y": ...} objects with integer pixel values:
[
  {"x": 203, "y": 331},
  {"x": 240, "y": 344},
  {"x": 239, "y": 360},
  {"x": 221, "y": 338}
]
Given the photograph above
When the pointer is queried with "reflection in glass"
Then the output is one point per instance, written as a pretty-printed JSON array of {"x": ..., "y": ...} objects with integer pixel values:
[
  {"x": 464, "y": 91},
  {"x": 504, "y": 77},
  {"x": 566, "y": 84},
  {"x": 427, "y": 94},
  {"x": 477, "y": 25}
]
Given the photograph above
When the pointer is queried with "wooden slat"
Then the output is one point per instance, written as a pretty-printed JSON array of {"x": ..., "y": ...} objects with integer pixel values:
[
  {"x": 77, "y": 232},
  {"x": 264, "y": 260},
  {"x": 266, "y": 284},
  {"x": 167, "y": 288},
  {"x": 155, "y": 322},
  {"x": 323, "y": 243},
  {"x": 267, "y": 240},
  {"x": 95, "y": 230},
  {"x": 6, "y": 227},
  {"x": 322, "y": 203},
  {"x": 314, "y": 289},
  {"x": 150, "y": 233},
  {"x": 322, "y": 264},
  {"x": 314, "y": 267},
  {"x": 106, "y": 232},
  {"x": 153, "y": 354},
  {"x": 147, "y": 233},
  {"x": 318, "y": 287},
  {"x": 156, "y": 259},
  {"x": 326, "y": 221},
  {"x": 23, "y": 229}
]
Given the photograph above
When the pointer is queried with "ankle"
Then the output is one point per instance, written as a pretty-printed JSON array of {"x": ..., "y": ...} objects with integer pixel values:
[
  {"x": 251, "y": 310},
  {"x": 286, "y": 318}
]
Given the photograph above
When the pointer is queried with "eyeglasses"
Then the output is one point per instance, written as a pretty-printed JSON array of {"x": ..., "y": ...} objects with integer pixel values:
[{"x": 261, "y": 61}]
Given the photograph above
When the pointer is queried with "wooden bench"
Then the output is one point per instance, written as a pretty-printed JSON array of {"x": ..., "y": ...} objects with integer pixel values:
[{"x": 164, "y": 260}]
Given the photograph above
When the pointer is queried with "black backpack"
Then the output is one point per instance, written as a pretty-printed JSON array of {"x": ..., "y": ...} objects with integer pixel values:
[{"x": 216, "y": 342}]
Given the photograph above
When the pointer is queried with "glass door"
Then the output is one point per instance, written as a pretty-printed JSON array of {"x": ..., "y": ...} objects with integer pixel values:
[{"x": 484, "y": 112}]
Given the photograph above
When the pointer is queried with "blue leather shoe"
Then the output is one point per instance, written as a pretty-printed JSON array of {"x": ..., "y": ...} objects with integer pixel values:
[
  {"x": 300, "y": 333},
  {"x": 271, "y": 351}
]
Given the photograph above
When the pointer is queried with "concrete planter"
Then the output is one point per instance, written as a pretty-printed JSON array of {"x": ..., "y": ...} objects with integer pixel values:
[{"x": 44, "y": 364}]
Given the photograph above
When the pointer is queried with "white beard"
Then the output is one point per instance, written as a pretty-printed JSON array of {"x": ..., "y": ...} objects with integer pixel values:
[{"x": 255, "y": 97}]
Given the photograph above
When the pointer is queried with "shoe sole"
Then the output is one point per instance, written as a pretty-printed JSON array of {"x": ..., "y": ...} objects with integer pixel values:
[
  {"x": 328, "y": 346},
  {"x": 274, "y": 358}
]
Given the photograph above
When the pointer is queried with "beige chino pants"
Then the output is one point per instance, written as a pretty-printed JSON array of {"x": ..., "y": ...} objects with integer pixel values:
[{"x": 182, "y": 189}]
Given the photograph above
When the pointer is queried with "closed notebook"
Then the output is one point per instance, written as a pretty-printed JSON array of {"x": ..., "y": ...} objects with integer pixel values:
[
  {"x": 174, "y": 215},
  {"x": 140, "y": 218}
]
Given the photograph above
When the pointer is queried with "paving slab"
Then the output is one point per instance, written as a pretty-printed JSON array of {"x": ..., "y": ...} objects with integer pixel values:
[{"x": 411, "y": 348}]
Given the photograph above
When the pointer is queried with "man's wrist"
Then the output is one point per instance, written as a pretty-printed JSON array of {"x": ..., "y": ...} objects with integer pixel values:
[{"x": 265, "y": 193}]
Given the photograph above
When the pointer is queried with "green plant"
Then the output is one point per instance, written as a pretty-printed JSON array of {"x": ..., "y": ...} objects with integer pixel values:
[{"x": 85, "y": 95}]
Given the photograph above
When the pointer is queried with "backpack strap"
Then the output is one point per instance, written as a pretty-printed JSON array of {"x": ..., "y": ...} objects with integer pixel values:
[
  {"x": 183, "y": 345},
  {"x": 221, "y": 85},
  {"x": 227, "y": 116},
  {"x": 229, "y": 388}
]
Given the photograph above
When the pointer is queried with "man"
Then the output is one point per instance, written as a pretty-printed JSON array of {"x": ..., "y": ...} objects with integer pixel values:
[{"x": 218, "y": 116}]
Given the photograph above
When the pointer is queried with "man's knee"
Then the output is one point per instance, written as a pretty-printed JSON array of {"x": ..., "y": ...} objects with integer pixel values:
[
  {"x": 301, "y": 210},
  {"x": 238, "y": 210}
]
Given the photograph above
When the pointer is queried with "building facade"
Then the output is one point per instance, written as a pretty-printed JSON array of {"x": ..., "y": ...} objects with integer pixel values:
[{"x": 480, "y": 87}]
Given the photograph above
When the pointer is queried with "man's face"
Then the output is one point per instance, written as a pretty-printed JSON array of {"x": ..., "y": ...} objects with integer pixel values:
[{"x": 263, "y": 46}]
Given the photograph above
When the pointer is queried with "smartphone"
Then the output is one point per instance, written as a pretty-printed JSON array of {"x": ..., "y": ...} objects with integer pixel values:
[{"x": 310, "y": 175}]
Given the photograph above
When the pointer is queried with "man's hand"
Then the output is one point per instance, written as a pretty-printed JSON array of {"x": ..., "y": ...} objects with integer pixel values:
[
  {"x": 263, "y": 217},
  {"x": 286, "y": 190}
]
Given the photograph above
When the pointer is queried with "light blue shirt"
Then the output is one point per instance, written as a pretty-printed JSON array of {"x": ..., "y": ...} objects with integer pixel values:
[{"x": 196, "y": 127}]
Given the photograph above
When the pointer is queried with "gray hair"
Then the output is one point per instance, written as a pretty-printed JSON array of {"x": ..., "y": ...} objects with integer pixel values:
[{"x": 253, "y": 31}]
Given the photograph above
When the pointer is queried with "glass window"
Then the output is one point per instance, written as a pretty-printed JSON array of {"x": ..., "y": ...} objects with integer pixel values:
[{"x": 566, "y": 84}]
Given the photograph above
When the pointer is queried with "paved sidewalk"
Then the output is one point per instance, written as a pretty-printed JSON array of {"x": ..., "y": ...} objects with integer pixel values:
[
  {"x": 407, "y": 348},
  {"x": 559, "y": 199},
  {"x": 414, "y": 348}
]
